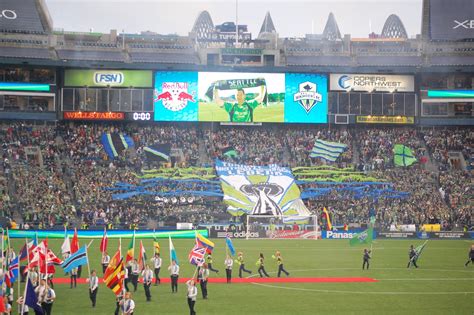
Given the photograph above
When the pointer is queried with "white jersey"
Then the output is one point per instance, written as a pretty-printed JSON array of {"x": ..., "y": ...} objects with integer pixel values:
[
  {"x": 156, "y": 262},
  {"x": 228, "y": 263}
]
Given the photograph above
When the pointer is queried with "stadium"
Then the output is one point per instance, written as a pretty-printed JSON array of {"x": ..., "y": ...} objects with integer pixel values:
[{"x": 225, "y": 172}]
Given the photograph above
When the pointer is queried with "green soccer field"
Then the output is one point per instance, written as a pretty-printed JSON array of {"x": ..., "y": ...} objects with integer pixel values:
[
  {"x": 212, "y": 112},
  {"x": 442, "y": 285}
]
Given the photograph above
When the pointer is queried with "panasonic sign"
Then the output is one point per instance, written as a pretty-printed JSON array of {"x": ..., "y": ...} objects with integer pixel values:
[
  {"x": 339, "y": 235},
  {"x": 109, "y": 78}
]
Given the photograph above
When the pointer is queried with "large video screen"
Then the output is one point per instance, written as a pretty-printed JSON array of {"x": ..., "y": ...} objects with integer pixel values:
[
  {"x": 240, "y": 97},
  {"x": 451, "y": 19}
]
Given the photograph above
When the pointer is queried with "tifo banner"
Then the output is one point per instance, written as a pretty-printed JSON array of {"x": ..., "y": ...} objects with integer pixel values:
[
  {"x": 104, "y": 78},
  {"x": 110, "y": 233},
  {"x": 249, "y": 189}
]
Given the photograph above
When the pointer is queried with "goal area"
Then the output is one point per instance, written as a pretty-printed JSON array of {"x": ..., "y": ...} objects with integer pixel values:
[{"x": 283, "y": 227}]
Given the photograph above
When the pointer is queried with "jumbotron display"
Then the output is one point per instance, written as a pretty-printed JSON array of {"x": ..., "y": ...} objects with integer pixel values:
[{"x": 240, "y": 97}]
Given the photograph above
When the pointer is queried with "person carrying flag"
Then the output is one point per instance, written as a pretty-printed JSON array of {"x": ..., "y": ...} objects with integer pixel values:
[
  {"x": 33, "y": 275},
  {"x": 118, "y": 300},
  {"x": 261, "y": 266},
  {"x": 47, "y": 299},
  {"x": 105, "y": 261},
  {"x": 93, "y": 287},
  {"x": 128, "y": 305},
  {"x": 20, "y": 302},
  {"x": 209, "y": 264},
  {"x": 73, "y": 277},
  {"x": 192, "y": 294},
  {"x": 204, "y": 277},
  {"x": 135, "y": 273},
  {"x": 228, "y": 262},
  {"x": 174, "y": 271},
  {"x": 470, "y": 257},
  {"x": 156, "y": 260},
  {"x": 413, "y": 256},
  {"x": 147, "y": 275},
  {"x": 279, "y": 261},
  {"x": 241, "y": 262},
  {"x": 366, "y": 257}
]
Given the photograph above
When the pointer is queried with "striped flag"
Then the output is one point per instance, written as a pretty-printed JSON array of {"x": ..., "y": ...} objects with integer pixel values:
[
  {"x": 156, "y": 245},
  {"x": 131, "y": 249},
  {"x": 204, "y": 242},
  {"x": 173, "y": 255},
  {"x": 104, "y": 242},
  {"x": 12, "y": 273},
  {"x": 142, "y": 257},
  {"x": 158, "y": 152},
  {"x": 328, "y": 219},
  {"x": 115, "y": 274},
  {"x": 329, "y": 151},
  {"x": 77, "y": 259}
]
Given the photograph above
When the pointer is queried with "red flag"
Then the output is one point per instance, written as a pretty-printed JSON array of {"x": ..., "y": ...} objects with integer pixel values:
[
  {"x": 2, "y": 305},
  {"x": 104, "y": 242},
  {"x": 74, "y": 243}
]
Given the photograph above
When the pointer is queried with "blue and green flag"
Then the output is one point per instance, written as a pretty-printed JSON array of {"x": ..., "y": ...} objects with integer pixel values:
[{"x": 403, "y": 155}]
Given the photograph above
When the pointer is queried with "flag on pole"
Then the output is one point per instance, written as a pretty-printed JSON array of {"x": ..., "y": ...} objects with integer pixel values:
[
  {"x": 364, "y": 237},
  {"x": 66, "y": 246},
  {"x": 419, "y": 250},
  {"x": 12, "y": 273},
  {"x": 31, "y": 299},
  {"x": 204, "y": 242},
  {"x": 77, "y": 259},
  {"x": 142, "y": 258},
  {"x": 328, "y": 219},
  {"x": 196, "y": 255},
  {"x": 131, "y": 249},
  {"x": 403, "y": 155},
  {"x": 173, "y": 255},
  {"x": 74, "y": 243},
  {"x": 326, "y": 150},
  {"x": 115, "y": 274},
  {"x": 229, "y": 244},
  {"x": 104, "y": 242}
]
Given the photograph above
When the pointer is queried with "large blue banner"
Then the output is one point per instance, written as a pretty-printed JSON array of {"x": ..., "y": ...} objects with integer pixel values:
[
  {"x": 175, "y": 96},
  {"x": 306, "y": 98}
]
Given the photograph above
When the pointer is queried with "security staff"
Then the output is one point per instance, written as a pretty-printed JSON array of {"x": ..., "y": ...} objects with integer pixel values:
[
  {"x": 192, "y": 294},
  {"x": 93, "y": 287},
  {"x": 240, "y": 261},
  {"x": 228, "y": 262},
  {"x": 73, "y": 277},
  {"x": 204, "y": 276},
  {"x": 105, "y": 261},
  {"x": 366, "y": 257},
  {"x": 147, "y": 275},
  {"x": 209, "y": 263},
  {"x": 128, "y": 305},
  {"x": 261, "y": 266},
  {"x": 135, "y": 273},
  {"x": 471, "y": 256},
  {"x": 279, "y": 260},
  {"x": 156, "y": 260},
  {"x": 413, "y": 257},
  {"x": 174, "y": 272}
]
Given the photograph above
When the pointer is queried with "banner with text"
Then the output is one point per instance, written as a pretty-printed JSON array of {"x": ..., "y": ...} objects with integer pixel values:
[
  {"x": 264, "y": 190},
  {"x": 371, "y": 82}
]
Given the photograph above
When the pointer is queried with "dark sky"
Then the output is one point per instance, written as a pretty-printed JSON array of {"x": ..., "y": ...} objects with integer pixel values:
[{"x": 291, "y": 18}]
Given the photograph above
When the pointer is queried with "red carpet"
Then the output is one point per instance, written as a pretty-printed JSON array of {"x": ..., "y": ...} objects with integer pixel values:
[{"x": 250, "y": 280}]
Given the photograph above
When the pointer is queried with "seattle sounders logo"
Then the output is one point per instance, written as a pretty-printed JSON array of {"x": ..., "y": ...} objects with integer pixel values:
[
  {"x": 308, "y": 96},
  {"x": 344, "y": 81}
]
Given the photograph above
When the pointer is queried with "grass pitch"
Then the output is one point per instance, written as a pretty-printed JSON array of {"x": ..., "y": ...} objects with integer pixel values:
[
  {"x": 442, "y": 285},
  {"x": 274, "y": 112}
]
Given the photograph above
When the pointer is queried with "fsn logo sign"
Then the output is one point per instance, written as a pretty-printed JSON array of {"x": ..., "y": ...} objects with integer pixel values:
[
  {"x": 467, "y": 24},
  {"x": 8, "y": 14},
  {"x": 109, "y": 78}
]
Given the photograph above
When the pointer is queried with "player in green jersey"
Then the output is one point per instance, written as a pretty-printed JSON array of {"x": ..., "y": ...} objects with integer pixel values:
[{"x": 242, "y": 110}]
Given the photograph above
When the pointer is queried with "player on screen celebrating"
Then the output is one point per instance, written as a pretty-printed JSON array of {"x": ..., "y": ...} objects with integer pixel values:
[{"x": 242, "y": 110}]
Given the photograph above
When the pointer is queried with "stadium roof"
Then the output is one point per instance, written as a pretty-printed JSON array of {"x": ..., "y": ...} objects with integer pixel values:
[
  {"x": 331, "y": 30},
  {"x": 25, "y": 16},
  {"x": 267, "y": 25}
]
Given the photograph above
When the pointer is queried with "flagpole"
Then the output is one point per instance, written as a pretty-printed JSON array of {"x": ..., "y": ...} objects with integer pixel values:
[
  {"x": 26, "y": 288},
  {"x": 19, "y": 274},
  {"x": 3, "y": 245},
  {"x": 88, "y": 266},
  {"x": 9, "y": 247}
]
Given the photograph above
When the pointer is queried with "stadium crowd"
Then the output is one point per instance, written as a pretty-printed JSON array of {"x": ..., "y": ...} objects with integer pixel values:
[{"x": 65, "y": 182}]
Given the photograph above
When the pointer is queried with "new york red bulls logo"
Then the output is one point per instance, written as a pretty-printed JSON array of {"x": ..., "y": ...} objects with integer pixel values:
[{"x": 174, "y": 95}]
